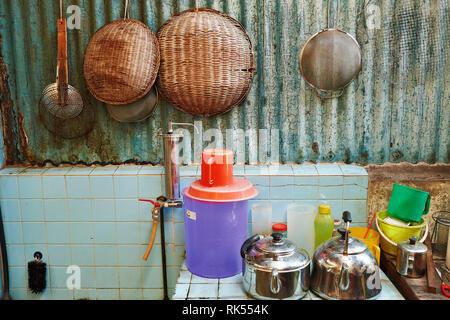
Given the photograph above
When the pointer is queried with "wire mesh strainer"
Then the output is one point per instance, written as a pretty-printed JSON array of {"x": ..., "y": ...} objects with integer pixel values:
[
  {"x": 60, "y": 99},
  {"x": 441, "y": 229}
]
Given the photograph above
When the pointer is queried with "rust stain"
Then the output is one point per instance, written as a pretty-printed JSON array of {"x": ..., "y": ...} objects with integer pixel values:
[
  {"x": 8, "y": 121},
  {"x": 315, "y": 147},
  {"x": 407, "y": 172},
  {"x": 23, "y": 139}
]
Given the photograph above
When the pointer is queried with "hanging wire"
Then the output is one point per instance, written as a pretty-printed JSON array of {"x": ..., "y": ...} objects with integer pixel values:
[
  {"x": 60, "y": 9},
  {"x": 336, "y": 19},
  {"x": 328, "y": 14},
  {"x": 127, "y": 11}
]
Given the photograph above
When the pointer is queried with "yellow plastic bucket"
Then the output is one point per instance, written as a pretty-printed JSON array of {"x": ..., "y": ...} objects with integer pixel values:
[
  {"x": 372, "y": 241},
  {"x": 393, "y": 234}
]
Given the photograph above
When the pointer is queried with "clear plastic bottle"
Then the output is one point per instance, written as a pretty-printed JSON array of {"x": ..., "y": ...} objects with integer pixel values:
[{"x": 323, "y": 225}]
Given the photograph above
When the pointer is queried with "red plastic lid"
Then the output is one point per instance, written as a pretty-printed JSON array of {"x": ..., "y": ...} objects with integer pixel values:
[
  {"x": 279, "y": 227},
  {"x": 217, "y": 183}
]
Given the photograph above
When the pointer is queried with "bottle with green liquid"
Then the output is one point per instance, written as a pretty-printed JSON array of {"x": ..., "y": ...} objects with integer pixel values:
[{"x": 323, "y": 225}]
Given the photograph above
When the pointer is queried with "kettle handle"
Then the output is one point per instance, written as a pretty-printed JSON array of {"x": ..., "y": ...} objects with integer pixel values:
[
  {"x": 392, "y": 242},
  {"x": 248, "y": 243},
  {"x": 275, "y": 282},
  {"x": 344, "y": 279}
]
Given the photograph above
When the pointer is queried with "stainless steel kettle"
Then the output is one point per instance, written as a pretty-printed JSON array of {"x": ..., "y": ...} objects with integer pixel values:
[
  {"x": 411, "y": 258},
  {"x": 275, "y": 269},
  {"x": 344, "y": 268}
]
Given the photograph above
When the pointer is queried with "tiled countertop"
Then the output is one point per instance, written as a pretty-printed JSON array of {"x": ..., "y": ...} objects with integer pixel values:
[{"x": 192, "y": 287}]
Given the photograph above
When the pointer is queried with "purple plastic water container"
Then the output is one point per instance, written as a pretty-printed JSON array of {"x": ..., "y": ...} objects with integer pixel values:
[
  {"x": 216, "y": 217},
  {"x": 214, "y": 234}
]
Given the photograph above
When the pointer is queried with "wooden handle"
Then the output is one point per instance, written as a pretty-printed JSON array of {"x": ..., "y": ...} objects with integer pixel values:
[
  {"x": 62, "y": 69},
  {"x": 152, "y": 240},
  {"x": 433, "y": 281}
]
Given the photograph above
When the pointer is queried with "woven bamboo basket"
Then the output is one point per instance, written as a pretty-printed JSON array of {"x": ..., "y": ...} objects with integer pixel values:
[
  {"x": 207, "y": 62},
  {"x": 121, "y": 62}
]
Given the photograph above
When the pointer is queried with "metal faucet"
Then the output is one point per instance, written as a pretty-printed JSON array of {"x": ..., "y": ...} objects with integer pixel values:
[{"x": 172, "y": 198}]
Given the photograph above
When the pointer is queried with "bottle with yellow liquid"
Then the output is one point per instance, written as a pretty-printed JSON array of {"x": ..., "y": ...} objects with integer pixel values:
[{"x": 323, "y": 225}]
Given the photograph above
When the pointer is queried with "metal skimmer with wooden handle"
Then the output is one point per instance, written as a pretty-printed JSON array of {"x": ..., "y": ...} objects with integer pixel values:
[{"x": 61, "y": 99}]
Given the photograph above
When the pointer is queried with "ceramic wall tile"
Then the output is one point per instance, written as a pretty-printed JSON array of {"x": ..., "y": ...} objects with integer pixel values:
[
  {"x": 104, "y": 232},
  {"x": 331, "y": 192},
  {"x": 32, "y": 210},
  {"x": 125, "y": 187},
  {"x": 107, "y": 294},
  {"x": 107, "y": 278},
  {"x": 78, "y": 187},
  {"x": 87, "y": 278},
  {"x": 352, "y": 170},
  {"x": 57, "y": 233},
  {"x": 304, "y": 170},
  {"x": 105, "y": 255},
  {"x": 130, "y": 277},
  {"x": 9, "y": 187},
  {"x": 130, "y": 294},
  {"x": 81, "y": 233},
  {"x": 18, "y": 277},
  {"x": 128, "y": 233},
  {"x": 104, "y": 171},
  {"x": 54, "y": 187},
  {"x": 30, "y": 187},
  {"x": 103, "y": 210},
  {"x": 58, "y": 277},
  {"x": 79, "y": 210},
  {"x": 59, "y": 255},
  {"x": 102, "y": 187},
  {"x": 357, "y": 208},
  {"x": 130, "y": 255},
  {"x": 153, "y": 294},
  {"x": 128, "y": 209},
  {"x": 15, "y": 255},
  {"x": 82, "y": 255},
  {"x": 56, "y": 210},
  {"x": 10, "y": 210},
  {"x": 33, "y": 232},
  {"x": 150, "y": 186},
  {"x": 306, "y": 192},
  {"x": 203, "y": 290},
  {"x": 85, "y": 294},
  {"x": 151, "y": 278},
  {"x": 151, "y": 170}
]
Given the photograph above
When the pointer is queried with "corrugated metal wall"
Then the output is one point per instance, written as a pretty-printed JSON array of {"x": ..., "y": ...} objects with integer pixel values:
[{"x": 398, "y": 108}]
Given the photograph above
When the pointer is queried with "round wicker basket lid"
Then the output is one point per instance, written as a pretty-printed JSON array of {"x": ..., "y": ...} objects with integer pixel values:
[
  {"x": 121, "y": 62},
  {"x": 207, "y": 62}
]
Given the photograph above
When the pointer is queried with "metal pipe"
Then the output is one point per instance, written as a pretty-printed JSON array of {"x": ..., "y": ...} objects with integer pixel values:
[
  {"x": 163, "y": 253},
  {"x": 171, "y": 160},
  {"x": 4, "y": 262},
  {"x": 172, "y": 191},
  {"x": 172, "y": 174}
]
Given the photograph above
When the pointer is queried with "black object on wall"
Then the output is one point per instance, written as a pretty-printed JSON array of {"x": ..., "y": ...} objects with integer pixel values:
[{"x": 4, "y": 264}]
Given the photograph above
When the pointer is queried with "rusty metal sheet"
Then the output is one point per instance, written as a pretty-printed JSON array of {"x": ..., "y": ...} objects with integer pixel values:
[{"x": 397, "y": 109}]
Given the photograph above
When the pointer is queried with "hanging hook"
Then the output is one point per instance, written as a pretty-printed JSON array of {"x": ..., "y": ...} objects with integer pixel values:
[{"x": 196, "y": 5}]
